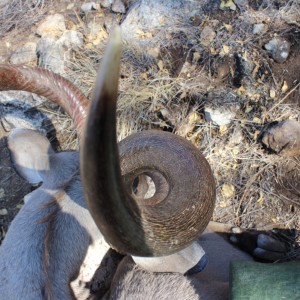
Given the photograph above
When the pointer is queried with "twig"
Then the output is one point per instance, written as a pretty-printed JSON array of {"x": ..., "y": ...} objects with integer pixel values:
[
  {"x": 247, "y": 190},
  {"x": 291, "y": 91}
]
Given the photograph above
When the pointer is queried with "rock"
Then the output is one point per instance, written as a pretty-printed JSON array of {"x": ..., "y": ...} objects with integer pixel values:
[
  {"x": 106, "y": 3},
  {"x": 220, "y": 115},
  {"x": 89, "y": 6},
  {"x": 71, "y": 39},
  {"x": 3, "y": 212},
  {"x": 51, "y": 54},
  {"x": 54, "y": 25},
  {"x": 118, "y": 7},
  {"x": 221, "y": 106},
  {"x": 145, "y": 18},
  {"x": 96, "y": 32},
  {"x": 18, "y": 111},
  {"x": 279, "y": 49},
  {"x": 283, "y": 138},
  {"x": 25, "y": 54},
  {"x": 207, "y": 36},
  {"x": 259, "y": 28},
  {"x": 54, "y": 53}
]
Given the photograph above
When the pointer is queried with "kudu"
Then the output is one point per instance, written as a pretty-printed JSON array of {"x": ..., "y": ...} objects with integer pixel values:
[{"x": 48, "y": 240}]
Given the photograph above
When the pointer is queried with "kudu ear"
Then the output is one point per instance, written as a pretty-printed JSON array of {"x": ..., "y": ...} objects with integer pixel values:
[{"x": 30, "y": 152}]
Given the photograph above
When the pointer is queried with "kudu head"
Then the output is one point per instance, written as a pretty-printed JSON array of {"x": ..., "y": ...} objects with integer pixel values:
[{"x": 184, "y": 197}]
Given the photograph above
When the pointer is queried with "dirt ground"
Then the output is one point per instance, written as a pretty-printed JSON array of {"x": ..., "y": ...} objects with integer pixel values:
[{"x": 256, "y": 188}]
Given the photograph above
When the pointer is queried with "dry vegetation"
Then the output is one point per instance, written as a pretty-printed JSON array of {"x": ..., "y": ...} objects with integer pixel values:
[{"x": 168, "y": 91}]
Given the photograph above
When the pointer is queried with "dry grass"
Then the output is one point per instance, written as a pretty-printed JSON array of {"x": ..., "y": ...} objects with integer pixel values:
[
  {"x": 152, "y": 97},
  {"x": 22, "y": 15}
]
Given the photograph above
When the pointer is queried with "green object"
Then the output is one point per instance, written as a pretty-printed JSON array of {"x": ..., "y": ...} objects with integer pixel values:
[{"x": 257, "y": 281}]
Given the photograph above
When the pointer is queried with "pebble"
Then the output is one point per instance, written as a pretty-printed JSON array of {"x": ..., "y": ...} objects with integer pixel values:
[
  {"x": 259, "y": 28},
  {"x": 278, "y": 48},
  {"x": 90, "y": 6},
  {"x": 3, "y": 212},
  {"x": 106, "y": 3},
  {"x": 219, "y": 116},
  {"x": 118, "y": 7},
  {"x": 71, "y": 39}
]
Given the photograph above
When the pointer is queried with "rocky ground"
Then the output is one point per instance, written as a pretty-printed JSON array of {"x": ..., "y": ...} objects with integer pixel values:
[{"x": 223, "y": 74}]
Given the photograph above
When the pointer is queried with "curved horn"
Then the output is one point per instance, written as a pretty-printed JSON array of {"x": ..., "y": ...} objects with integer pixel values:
[
  {"x": 45, "y": 83},
  {"x": 185, "y": 190}
]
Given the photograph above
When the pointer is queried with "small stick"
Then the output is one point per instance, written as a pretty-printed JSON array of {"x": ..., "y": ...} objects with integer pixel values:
[{"x": 291, "y": 91}]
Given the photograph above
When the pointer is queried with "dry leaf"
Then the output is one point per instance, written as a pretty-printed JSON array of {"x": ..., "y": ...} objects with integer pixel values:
[
  {"x": 154, "y": 52},
  {"x": 241, "y": 90},
  {"x": 235, "y": 151},
  {"x": 256, "y": 120},
  {"x": 226, "y": 49},
  {"x": 272, "y": 93},
  {"x": 254, "y": 166},
  {"x": 144, "y": 75},
  {"x": 227, "y": 4},
  {"x": 223, "y": 129},
  {"x": 224, "y": 203},
  {"x": 284, "y": 87},
  {"x": 256, "y": 134},
  {"x": 228, "y": 28},
  {"x": 140, "y": 32},
  {"x": 228, "y": 190},
  {"x": 194, "y": 117},
  {"x": 160, "y": 65},
  {"x": 248, "y": 109},
  {"x": 196, "y": 56},
  {"x": 213, "y": 51},
  {"x": 261, "y": 198}
]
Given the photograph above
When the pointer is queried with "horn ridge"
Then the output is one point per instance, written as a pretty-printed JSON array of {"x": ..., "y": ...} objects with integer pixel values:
[{"x": 47, "y": 84}]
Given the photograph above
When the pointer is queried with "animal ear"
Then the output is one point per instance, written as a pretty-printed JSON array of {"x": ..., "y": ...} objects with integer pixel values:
[{"x": 30, "y": 153}]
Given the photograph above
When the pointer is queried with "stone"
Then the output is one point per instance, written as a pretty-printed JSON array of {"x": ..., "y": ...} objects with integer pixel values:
[
  {"x": 278, "y": 48},
  {"x": 118, "y": 7},
  {"x": 53, "y": 25},
  {"x": 18, "y": 110},
  {"x": 89, "y": 6},
  {"x": 51, "y": 54},
  {"x": 207, "y": 36},
  {"x": 259, "y": 28},
  {"x": 220, "y": 116},
  {"x": 25, "y": 55},
  {"x": 106, "y": 3},
  {"x": 283, "y": 138},
  {"x": 146, "y": 18},
  {"x": 71, "y": 39}
]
